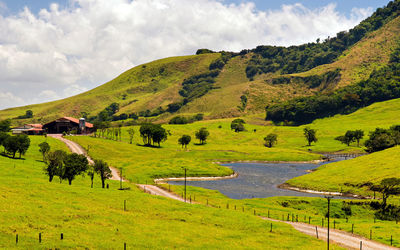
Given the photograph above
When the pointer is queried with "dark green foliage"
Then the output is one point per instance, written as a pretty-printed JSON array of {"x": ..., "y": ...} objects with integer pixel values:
[
  {"x": 184, "y": 140},
  {"x": 102, "y": 168},
  {"x": 3, "y": 137},
  {"x": 55, "y": 164},
  {"x": 152, "y": 134},
  {"x": 351, "y": 136},
  {"x": 388, "y": 186},
  {"x": 382, "y": 85},
  {"x": 270, "y": 140},
  {"x": 346, "y": 208},
  {"x": 202, "y": 135},
  {"x": 178, "y": 120},
  {"x": 243, "y": 100},
  {"x": 173, "y": 107},
  {"x": 5, "y": 125},
  {"x": 28, "y": 114},
  {"x": 106, "y": 114},
  {"x": 198, "y": 85},
  {"x": 74, "y": 164},
  {"x": 18, "y": 143},
  {"x": 44, "y": 148},
  {"x": 381, "y": 139},
  {"x": 238, "y": 125},
  {"x": 203, "y": 51},
  {"x": 310, "y": 135},
  {"x": 301, "y": 58}
]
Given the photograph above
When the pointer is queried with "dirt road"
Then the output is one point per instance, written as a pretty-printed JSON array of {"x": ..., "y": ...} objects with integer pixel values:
[{"x": 76, "y": 148}]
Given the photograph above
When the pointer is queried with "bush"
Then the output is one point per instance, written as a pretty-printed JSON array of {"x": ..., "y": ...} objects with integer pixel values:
[{"x": 178, "y": 120}]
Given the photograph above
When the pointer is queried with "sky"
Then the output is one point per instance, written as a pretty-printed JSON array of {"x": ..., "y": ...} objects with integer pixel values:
[{"x": 52, "y": 49}]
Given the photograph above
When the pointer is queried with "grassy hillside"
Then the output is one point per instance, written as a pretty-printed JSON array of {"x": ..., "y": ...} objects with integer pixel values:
[{"x": 94, "y": 218}]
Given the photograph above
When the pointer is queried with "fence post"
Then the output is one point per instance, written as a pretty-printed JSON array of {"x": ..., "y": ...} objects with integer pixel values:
[
  {"x": 322, "y": 222},
  {"x": 268, "y": 213},
  {"x": 124, "y": 205},
  {"x": 271, "y": 228},
  {"x": 62, "y": 236},
  {"x": 40, "y": 237},
  {"x": 352, "y": 228},
  {"x": 316, "y": 230},
  {"x": 360, "y": 245},
  {"x": 391, "y": 240},
  {"x": 370, "y": 234},
  {"x": 16, "y": 239},
  {"x": 334, "y": 224},
  {"x": 309, "y": 219},
  {"x": 124, "y": 246},
  {"x": 254, "y": 212}
]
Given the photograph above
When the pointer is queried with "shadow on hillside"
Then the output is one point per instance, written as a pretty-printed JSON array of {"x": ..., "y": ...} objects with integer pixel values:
[
  {"x": 148, "y": 146},
  {"x": 9, "y": 156}
]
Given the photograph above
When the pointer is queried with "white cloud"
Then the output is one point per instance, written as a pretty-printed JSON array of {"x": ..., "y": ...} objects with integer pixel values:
[{"x": 63, "y": 51}]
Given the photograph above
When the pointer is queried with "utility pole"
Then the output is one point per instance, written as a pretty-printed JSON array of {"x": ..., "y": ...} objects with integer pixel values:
[
  {"x": 329, "y": 205},
  {"x": 185, "y": 184}
]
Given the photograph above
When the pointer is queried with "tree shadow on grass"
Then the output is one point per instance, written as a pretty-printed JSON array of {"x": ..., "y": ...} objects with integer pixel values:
[
  {"x": 199, "y": 144},
  {"x": 148, "y": 146},
  {"x": 10, "y": 157}
]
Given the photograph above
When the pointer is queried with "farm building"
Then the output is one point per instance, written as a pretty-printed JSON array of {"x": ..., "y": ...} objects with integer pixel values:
[
  {"x": 29, "y": 129},
  {"x": 68, "y": 124}
]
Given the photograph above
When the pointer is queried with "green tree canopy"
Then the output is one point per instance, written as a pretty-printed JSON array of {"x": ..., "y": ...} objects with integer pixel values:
[
  {"x": 184, "y": 140},
  {"x": 74, "y": 164},
  {"x": 102, "y": 168},
  {"x": 44, "y": 148},
  {"x": 310, "y": 135},
  {"x": 202, "y": 135},
  {"x": 270, "y": 140}
]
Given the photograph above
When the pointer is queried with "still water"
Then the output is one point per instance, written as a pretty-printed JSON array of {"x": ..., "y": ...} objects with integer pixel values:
[{"x": 257, "y": 180}]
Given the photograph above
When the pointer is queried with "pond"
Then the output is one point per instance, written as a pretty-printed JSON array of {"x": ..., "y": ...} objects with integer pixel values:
[{"x": 258, "y": 180}]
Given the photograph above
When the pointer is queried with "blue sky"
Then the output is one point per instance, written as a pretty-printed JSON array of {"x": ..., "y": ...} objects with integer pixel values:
[{"x": 343, "y": 6}]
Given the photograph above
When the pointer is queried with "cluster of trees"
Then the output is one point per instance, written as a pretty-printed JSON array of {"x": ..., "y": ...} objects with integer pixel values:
[
  {"x": 68, "y": 166},
  {"x": 351, "y": 136},
  {"x": 198, "y": 85},
  {"x": 202, "y": 135},
  {"x": 383, "y": 84},
  {"x": 14, "y": 144},
  {"x": 5, "y": 125},
  {"x": 105, "y": 131},
  {"x": 28, "y": 114},
  {"x": 238, "y": 125},
  {"x": 153, "y": 134},
  {"x": 106, "y": 114},
  {"x": 186, "y": 120},
  {"x": 301, "y": 58},
  {"x": 381, "y": 139}
]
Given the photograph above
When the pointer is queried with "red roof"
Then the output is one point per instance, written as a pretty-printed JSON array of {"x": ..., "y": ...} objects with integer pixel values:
[
  {"x": 38, "y": 126},
  {"x": 87, "y": 124}
]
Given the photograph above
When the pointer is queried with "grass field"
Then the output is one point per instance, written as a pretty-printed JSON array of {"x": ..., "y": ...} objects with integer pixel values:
[
  {"x": 94, "y": 218},
  {"x": 302, "y": 209}
]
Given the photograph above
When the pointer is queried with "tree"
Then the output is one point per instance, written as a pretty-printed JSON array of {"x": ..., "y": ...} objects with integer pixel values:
[
  {"x": 55, "y": 164},
  {"x": 23, "y": 143},
  {"x": 74, "y": 164},
  {"x": 202, "y": 135},
  {"x": 348, "y": 138},
  {"x": 103, "y": 170},
  {"x": 379, "y": 139},
  {"x": 184, "y": 140},
  {"x": 11, "y": 145},
  {"x": 146, "y": 132},
  {"x": 311, "y": 135},
  {"x": 5, "y": 125},
  {"x": 270, "y": 140},
  {"x": 44, "y": 148},
  {"x": 91, "y": 173},
  {"x": 358, "y": 135},
  {"x": 131, "y": 132},
  {"x": 158, "y": 134},
  {"x": 3, "y": 137},
  {"x": 238, "y": 125},
  {"x": 388, "y": 186}
]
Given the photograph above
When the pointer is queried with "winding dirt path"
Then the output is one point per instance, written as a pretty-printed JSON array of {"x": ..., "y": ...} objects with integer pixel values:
[
  {"x": 76, "y": 148},
  {"x": 338, "y": 237}
]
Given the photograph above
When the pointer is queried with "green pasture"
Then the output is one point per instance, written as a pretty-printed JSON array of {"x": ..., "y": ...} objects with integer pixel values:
[{"x": 95, "y": 218}]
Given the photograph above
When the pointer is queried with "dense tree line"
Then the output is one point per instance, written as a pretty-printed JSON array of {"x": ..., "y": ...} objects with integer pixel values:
[
  {"x": 301, "y": 58},
  {"x": 382, "y": 85},
  {"x": 185, "y": 120},
  {"x": 351, "y": 136},
  {"x": 28, "y": 114}
]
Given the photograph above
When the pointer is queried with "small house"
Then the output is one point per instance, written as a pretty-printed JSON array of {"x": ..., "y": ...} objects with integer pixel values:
[{"x": 29, "y": 129}]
